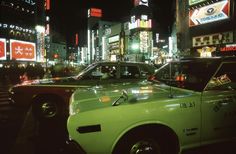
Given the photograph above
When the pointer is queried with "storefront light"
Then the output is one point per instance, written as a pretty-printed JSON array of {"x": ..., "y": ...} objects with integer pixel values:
[{"x": 135, "y": 46}]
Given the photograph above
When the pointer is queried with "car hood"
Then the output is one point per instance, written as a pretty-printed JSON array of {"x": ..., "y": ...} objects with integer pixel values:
[{"x": 85, "y": 99}]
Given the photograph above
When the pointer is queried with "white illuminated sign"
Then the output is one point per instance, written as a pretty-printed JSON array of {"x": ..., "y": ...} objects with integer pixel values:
[
  {"x": 114, "y": 39},
  {"x": 192, "y": 2},
  {"x": 31, "y": 2},
  {"x": 141, "y": 24},
  {"x": 144, "y": 41},
  {"x": 18, "y": 28},
  {"x": 211, "y": 13},
  {"x": 144, "y": 17},
  {"x": 157, "y": 37},
  {"x": 143, "y": 2}
]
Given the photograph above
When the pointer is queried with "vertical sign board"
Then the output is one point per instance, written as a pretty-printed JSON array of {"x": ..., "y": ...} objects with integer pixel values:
[
  {"x": 2, "y": 49},
  {"x": 21, "y": 50},
  {"x": 210, "y": 13}
]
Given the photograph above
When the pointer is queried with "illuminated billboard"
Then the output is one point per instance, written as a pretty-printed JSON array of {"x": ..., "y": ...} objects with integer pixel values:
[
  {"x": 229, "y": 47},
  {"x": 192, "y": 2},
  {"x": 144, "y": 22},
  {"x": 94, "y": 12},
  {"x": 21, "y": 50},
  {"x": 140, "y": 2},
  {"x": 2, "y": 49},
  {"x": 210, "y": 13}
]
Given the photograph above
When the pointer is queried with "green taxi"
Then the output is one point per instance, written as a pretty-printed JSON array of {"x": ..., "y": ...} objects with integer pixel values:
[{"x": 187, "y": 103}]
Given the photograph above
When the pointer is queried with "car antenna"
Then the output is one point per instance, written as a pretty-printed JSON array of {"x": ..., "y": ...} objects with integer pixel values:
[{"x": 170, "y": 74}]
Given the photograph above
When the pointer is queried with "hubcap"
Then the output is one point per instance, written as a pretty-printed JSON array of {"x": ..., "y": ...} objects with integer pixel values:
[
  {"x": 49, "y": 109},
  {"x": 145, "y": 147}
]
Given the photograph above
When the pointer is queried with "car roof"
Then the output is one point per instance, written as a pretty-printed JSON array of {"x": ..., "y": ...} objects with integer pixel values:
[
  {"x": 121, "y": 62},
  {"x": 219, "y": 59}
]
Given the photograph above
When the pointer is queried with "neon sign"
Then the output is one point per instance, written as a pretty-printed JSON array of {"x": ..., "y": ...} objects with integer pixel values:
[
  {"x": 211, "y": 13},
  {"x": 21, "y": 50},
  {"x": 2, "y": 49},
  {"x": 231, "y": 47},
  {"x": 137, "y": 23},
  {"x": 94, "y": 12},
  {"x": 17, "y": 28},
  {"x": 31, "y": 2}
]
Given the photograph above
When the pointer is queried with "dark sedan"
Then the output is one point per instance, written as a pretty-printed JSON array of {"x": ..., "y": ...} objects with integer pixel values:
[{"x": 50, "y": 97}]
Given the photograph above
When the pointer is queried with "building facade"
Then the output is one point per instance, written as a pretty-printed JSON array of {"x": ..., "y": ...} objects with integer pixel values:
[
  {"x": 206, "y": 28},
  {"x": 18, "y": 36}
]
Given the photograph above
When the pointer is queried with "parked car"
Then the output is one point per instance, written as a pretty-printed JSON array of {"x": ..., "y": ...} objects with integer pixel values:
[
  {"x": 187, "y": 103},
  {"x": 50, "y": 97}
]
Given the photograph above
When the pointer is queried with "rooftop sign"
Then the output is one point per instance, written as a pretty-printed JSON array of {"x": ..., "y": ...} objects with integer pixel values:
[
  {"x": 210, "y": 13},
  {"x": 94, "y": 12}
]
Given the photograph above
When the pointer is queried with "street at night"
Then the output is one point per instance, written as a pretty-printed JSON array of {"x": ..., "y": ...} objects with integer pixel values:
[{"x": 117, "y": 77}]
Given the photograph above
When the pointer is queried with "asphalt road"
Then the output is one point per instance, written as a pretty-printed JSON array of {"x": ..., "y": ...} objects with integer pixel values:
[
  {"x": 20, "y": 133},
  {"x": 37, "y": 138}
]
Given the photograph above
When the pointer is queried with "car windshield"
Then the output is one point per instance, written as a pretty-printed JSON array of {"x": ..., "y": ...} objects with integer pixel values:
[
  {"x": 88, "y": 68},
  {"x": 187, "y": 74}
]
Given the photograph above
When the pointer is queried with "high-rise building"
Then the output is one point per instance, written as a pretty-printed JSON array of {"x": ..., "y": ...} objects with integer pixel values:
[
  {"x": 18, "y": 36},
  {"x": 140, "y": 26}
]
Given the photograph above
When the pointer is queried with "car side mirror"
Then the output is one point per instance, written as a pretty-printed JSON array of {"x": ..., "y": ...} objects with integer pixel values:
[{"x": 121, "y": 99}]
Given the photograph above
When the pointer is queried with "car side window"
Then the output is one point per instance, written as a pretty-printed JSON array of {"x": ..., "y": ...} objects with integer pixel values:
[
  {"x": 146, "y": 70},
  {"x": 224, "y": 79},
  {"x": 94, "y": 73},
  {"x": 103, "y": 72},
  {"x": 129, "y": 72},
  {"x": 108, "y": 72}
]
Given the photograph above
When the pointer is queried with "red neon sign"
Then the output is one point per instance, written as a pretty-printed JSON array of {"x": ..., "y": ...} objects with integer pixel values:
[
  {"x": 2, "y": 49},
  {"x": 94, "y": 12},
  {"x": 21, "y": 50},
  {"x": 229, "y": 48},
  {"x": 76, "y": 39},
  {"x": 47, "y": 3}
]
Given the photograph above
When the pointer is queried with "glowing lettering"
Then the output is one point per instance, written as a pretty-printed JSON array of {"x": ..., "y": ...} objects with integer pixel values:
[
  {"x": 232, "y": 48},
  {"x": 19, "y": 50}
]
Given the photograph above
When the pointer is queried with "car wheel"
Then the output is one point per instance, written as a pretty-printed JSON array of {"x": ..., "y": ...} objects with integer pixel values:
[
  {"x": 143, "y": 143},
  {"x": 47, "y": 108}
]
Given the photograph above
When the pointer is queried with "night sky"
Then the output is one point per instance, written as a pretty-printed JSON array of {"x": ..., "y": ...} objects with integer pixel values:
[{"x": 69, "y": 16}]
